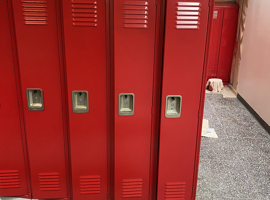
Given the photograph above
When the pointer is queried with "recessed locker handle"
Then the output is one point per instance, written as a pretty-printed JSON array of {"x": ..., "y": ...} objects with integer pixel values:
[
  {"x": 173, "y": 106},
  {"x": 126, "y": 104},
  {"x": 80, "y": 101},
  {"x": 34, "y": 99}
]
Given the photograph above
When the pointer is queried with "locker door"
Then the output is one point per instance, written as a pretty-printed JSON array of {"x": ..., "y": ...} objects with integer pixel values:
[
  {"x": 12, "y": 164},
  {"x": 85, "y": 47},
  {"x": 134, "y": 47},
  {"x": 215, "y": 43},
  {"x": 228, "y": 38},
  {"x": 39, "y": 62},
  {"x": 184, "y": 54}
]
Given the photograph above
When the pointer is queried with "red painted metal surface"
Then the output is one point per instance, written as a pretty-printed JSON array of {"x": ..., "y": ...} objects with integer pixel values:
[
  {"x": 225, "y": 5},
  {"x": 110, "y": 96},
  {"x": 202, "y": 99},
  {"x": 110, "y": 87},
  {"x": 227, "y": 43},
  {"x": 13, "y": 180},
  {"x": 39, "y": 62},
  {"x": 159, "y": 43},
  {"x": 183, "y": 72},
  {"x": 85, "y": 51},
  {"x": 134, "y": 50},
  {"x": 215, "y": 43},
  {"x": 223, "y": 38}
]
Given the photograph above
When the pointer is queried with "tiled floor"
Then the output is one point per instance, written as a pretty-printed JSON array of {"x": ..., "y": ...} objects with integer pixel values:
[{"x": 237, "y": 164}]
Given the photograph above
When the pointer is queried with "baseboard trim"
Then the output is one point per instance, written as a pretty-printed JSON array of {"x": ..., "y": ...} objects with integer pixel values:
[{"x": 254, "y": 113}]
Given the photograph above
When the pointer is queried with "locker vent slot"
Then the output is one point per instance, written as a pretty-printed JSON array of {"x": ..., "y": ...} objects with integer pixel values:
[
  {"x": 135, "y": 14},
  {"x": 9, "y": 179},
  {"x": 188, "y": 15},
  {"x": 131, "y": 188},
  {"x": 35, "y": 12},
  {"x": 84, "y": 13},
  {"x": 90, "y": 184},
  {"x": 175, "y": 190},
  {"x": 49, "y": 181}
]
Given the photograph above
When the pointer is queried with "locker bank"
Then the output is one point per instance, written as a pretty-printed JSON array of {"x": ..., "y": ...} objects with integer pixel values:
[{"x": 97, "y": 105}]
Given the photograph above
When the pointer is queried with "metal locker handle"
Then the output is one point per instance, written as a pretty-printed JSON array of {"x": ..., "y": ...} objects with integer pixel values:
[
  {"x": 126, "y": 104},
  {"x": 173, "y": 106},
  {"x": 80, "y": 101},
  {"x": 34, "y": 99}
]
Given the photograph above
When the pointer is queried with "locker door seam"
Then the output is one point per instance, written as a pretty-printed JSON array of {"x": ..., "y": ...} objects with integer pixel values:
[
  {"x": 202, "y": 98},
  {"x": 152, "y": 120},
  {"x": 19, "y": 95},
  {"x": 65, "y": 113}
]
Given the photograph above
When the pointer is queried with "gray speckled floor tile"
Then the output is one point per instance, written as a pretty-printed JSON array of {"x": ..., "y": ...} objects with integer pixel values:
[
  {"x": 218, "y": 149},
  {"x": 236, "y": 165},
  {"x": 204, "y": 198},
  {"x": 224, "y": 198},
  {"x": 241, "y": 186},
  {"x": 203, "y": 186},
  {"x": 260, "y": 177},
  {"x": 248, "y": 150},
  {"x": 263, "y": 197}
]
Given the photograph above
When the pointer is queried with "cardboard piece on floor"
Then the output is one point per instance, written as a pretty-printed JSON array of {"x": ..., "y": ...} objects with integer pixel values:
[
  {"x": 227, "y": 92},
  {"x": 211, "y": 133},
  {"x": 205, "y": 125},
  {"x": 208, "y": 131}
]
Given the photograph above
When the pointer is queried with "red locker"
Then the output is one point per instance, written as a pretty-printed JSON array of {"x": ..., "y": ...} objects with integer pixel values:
[
  {"x": 186, "y": 30},
  {"x": 13, "y": 181},
  {"x": 85, "y": 49},
  {"x": 215, "y": 43},
  {"x": 223, "y": 38},
  {"x": 39, "y": 58},
  {"x": 228, "y": 38},
  {"x": 134, "y": 55}
]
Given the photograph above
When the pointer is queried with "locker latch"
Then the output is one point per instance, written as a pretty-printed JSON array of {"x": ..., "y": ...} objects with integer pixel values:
[
  {"x": 173, "y": 106},
  {"x": 80, "y": 101},
  {"x": 34, "y": 99},
  {"x": 126, "y": 104}
]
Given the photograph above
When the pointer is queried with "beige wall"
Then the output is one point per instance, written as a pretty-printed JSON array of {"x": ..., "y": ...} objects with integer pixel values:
[{"x": 254, "y": 72}]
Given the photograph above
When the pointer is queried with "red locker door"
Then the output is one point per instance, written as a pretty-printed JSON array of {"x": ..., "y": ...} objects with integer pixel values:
[
  {"x": 38, "y": 54},
  {"x": 228, "y": 38},
  {"x": 215, "y": 43},
  {"x": 12, "y": 164},
  {"x": 85, "y": 47},
  {"x": 134, "y": 50},
  {"x": 184, "y": 54}
]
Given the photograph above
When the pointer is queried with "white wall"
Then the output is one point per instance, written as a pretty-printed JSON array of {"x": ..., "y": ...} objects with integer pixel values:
[{"x": 254, "y": 71}]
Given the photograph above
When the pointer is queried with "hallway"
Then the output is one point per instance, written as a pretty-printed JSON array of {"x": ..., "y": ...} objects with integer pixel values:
[{"x": 236, "y": 165}]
